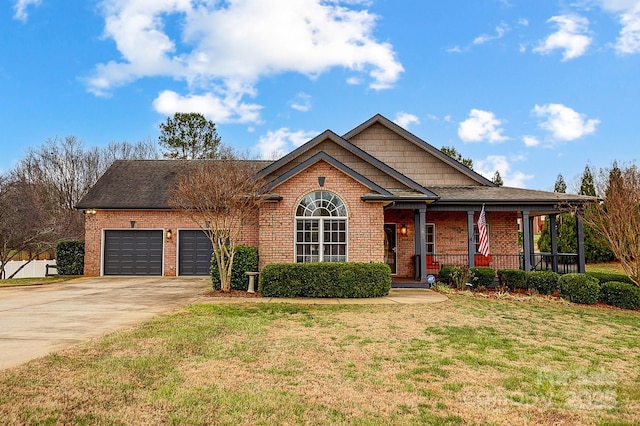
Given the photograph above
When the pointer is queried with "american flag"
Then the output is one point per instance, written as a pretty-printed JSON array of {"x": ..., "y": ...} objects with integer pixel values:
[{"x": 484, "y": 236}]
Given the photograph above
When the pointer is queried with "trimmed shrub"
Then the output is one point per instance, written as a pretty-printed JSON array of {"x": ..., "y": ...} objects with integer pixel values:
[
  {"x": 482, "y": 276},
  {"x": 325, "y": 279},
  {"x": 512, "y": 278},
  {"x": 544, "y": 282},
  {"x": 245, "y": 260},
  {"x": 579, "y": 288},
  {"x": 70, "y": 257},
  {"x": 604, "y": 277},
  {"x": 445, "y": 273},
  {"x": 622, "y": 295}
]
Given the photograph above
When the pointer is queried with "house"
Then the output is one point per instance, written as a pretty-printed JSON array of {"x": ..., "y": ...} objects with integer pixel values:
[{"x": 377, "y": 193}]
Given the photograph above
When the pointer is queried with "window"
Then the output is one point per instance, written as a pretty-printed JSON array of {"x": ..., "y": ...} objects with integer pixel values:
[
  {"x": 321, "y": 228},
  {"x": 476, "y": 237},
  {"x": 431, "y": 238}
]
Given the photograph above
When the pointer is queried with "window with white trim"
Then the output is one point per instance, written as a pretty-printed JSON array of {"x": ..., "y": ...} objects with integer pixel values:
[
  {"x": 321, "y": 228},
  {"x": 476, "y": 236},
  {"x": 431, "y": 238}
]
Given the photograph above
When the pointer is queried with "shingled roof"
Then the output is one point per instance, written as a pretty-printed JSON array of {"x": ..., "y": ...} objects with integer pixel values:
[{"x": 137, "y": 184}]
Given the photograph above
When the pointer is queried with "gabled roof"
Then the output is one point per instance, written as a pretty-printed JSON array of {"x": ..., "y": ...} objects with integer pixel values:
[
  {"x": 329, "y": 135},
  {"x": 378, "y": 193},
  {"x": 323, "y": 156},
  {"x": 380, "y": 119}
]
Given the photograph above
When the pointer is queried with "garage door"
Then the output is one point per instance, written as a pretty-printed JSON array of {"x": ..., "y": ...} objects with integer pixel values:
[
  {"x": 194, "y": 253},
  {"x": 133, "y": 252}
]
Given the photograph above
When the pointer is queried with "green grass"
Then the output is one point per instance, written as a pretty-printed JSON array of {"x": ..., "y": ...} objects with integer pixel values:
[
  {"x": 466, "y": 361},
  {"x": 608, "y": 267},
  {"x": 19, "y": 282}
]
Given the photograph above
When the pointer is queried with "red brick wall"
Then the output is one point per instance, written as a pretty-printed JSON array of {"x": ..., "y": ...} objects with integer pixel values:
[
  {"x": 365, "y": 219},
  {"x": 146, "y": 219}
]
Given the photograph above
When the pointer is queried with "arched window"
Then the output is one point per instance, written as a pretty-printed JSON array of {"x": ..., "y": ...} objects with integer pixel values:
[{"x": 321, "y": 228}]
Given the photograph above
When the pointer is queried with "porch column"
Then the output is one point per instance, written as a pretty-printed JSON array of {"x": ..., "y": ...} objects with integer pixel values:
[
  {"x": 531, "y": 232},
  {"x": 553, "y": 231},
  {"x": 526, "y": 240},
  {"x": 421, "y": 237},
  {"x": 580, "y": 236},
  {"x": 471, "y": 243}
]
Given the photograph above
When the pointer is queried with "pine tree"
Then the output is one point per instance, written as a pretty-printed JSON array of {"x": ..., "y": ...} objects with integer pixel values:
[{"x": 497, "y": 179}]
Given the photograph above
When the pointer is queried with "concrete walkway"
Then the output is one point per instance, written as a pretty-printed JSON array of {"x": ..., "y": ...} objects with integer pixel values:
[{"x": 35, "y": 321}]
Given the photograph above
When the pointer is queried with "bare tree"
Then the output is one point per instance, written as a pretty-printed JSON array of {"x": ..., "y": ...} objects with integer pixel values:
[
  {"x": 26, "y": 223},
  {"x": 143, "y": 150},
  {"x": 219, "y": 196},
  {"x": 617, "y": 218}
]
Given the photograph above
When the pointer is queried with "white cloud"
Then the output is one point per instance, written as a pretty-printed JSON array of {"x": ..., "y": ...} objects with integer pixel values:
[
  {"x": 454, "y": 49},
  {"x": 571, "y": 37},
  {"x": 20, "y": 9},
  {"x": 228, "y": 46},
  {"x": 220, "y": 109},
  {"x": 628, "y": 12},
  {"x": 564, "y": 123},
  {"x": 501, "y": 30},
  {"x": 500, "y": 163},
  {"x": 404, "y": 119},
  {"x": 481, "y": 125},
  {"x": 277, "y": 143},
  {"x": 530, "y": 141},
  {"x": 302, "y": 102}
]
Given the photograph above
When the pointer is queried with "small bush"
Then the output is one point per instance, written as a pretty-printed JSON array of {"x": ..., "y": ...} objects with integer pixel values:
[
  {"x": 340, "y": 279},
  {"x": 579, "y": 288},
  {"x": 445, "y": 273},
  {"x": 512, "y": 278},
  {"x": 604, "y": 277},
  {"x": 544, "y": 282},
  {"x": 245, "y": 260},
  {"x": 482, "y": 276},
  {"x": 70, "y": 257},
  {"x": 620, "y": 294}
]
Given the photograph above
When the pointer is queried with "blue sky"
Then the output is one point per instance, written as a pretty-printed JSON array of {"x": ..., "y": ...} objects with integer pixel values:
[{"x": 529, "y": 88}]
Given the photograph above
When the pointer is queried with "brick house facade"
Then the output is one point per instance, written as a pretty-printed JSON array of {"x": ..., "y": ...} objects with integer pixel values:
[{"x": 398, "y": 199}]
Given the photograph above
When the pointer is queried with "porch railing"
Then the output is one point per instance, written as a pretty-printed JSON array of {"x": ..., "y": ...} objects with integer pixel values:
[{"x": 567, "y": 262}]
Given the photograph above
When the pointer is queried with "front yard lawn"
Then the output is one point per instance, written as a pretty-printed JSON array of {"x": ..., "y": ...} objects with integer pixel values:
[
  {"x": 18, "y": 282},
  {"x": 466, "y": 361}
]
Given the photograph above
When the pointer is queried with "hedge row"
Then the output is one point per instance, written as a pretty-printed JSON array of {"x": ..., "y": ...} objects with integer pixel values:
[
  {"x": 620, "y": 294},
  {"x": 341, "y": 279},
  {"x": 579, "y": 288},
  {"x": 245, "y": 260}
]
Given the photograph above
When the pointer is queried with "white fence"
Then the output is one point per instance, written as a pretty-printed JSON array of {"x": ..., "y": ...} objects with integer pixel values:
[{"x": 35, "y": 268}]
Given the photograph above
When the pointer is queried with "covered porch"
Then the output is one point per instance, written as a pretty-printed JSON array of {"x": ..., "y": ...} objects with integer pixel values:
[{"x": 422, "y": 237}]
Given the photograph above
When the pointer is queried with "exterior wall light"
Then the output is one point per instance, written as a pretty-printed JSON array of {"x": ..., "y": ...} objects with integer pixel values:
[
  {"x": 403, "y": 229},
  {"x": 169, "y": 234},
  {"x": 91, "y": 211},
  {"x": 321, "y": 181}
]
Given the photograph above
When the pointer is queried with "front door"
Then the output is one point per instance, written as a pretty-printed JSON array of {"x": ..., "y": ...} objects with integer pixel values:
[{"x": 390, "y": 255}]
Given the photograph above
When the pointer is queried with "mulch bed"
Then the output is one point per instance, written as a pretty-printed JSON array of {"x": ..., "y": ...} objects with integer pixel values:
[{"x": 232, "y": 293}]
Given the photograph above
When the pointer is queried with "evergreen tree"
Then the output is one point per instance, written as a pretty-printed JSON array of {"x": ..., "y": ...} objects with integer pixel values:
[
  {"x": 452, "y": 152},
  {"x": 189, "y": 136},
  {"x": 560, "y": 185},
  {"x": 497, "y": 179},
  {"x": 587, "y": 187}
]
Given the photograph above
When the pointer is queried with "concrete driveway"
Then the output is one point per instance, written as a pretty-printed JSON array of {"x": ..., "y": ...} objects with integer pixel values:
[{"x": 35, "y": 321}]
